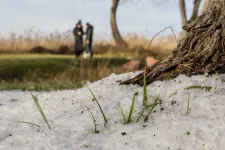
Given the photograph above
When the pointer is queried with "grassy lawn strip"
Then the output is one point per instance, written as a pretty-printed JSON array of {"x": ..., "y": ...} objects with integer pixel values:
[{"x": 43, "y": 72}]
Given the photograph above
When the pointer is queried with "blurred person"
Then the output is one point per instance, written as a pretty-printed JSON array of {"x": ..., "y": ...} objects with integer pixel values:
[
  {"x": 88, "y": 53},
  {"x": 78, "y": 33}
]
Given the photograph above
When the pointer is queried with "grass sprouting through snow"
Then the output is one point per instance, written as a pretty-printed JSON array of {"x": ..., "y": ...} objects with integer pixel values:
[
  {"x": 40, "y": 110},
  {"x": 217, "y": 73},
  {"x": 128, "y": 120},
  {"x": 123, "y": 115},
  {"x": 94, "y": 121},
  {"x": 99, "y": 106},
  {"x": 207, "y": 88},
  {"x": 141, "y": 113},
  {"x": 188, "y": 106},
  {"x": 174, "y": 93},
  {"x": 145, "y": 97},
  {"x": 28, "y": 123},
  {"x": 131, "y": 108},
  {"x": 152, "y": 107}
]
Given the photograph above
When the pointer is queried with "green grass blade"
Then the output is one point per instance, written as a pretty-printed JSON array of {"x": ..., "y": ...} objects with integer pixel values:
[
  {"x": 152, "y": 108},
  {"x": 217, "y": 73},
  {"x": 174, "y": 93},
  {"x": 28, "y": 123},
  {"x": 123, "y": 115},
  {"x": 141, "y": 113},
  {"x": 145, "y": 97},
  {"x": 94, "y": 121},
  {"x": 131, "y": 108},
  {"x": 40, "y": 110},
  {"x": 99, "y": 107},
  {"x": 207, "y": 88},
  {"x": 188, "y": 106}
]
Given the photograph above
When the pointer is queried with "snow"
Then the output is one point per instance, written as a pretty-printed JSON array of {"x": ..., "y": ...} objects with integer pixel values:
[{"x": 72, "y": 126}]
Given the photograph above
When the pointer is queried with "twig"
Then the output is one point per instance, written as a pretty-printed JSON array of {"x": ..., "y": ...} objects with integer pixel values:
[
  {"x": 150, "y": 43},
  {"x": 28, "y": 123}
]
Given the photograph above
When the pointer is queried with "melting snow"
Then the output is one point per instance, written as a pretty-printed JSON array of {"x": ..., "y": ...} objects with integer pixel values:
[{"x": 169, "y": 127}]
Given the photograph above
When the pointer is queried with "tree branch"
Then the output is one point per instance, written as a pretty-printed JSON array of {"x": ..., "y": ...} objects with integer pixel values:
[
  {"x": 183, "y": 12},
  {"x": 115, "y": 3},
  {"x": 195, "y": 10},
  {"x": 150, "y": 43}
]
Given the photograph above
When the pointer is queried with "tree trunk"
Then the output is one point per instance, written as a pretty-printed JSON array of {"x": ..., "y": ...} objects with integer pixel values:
[
  {"x": 201, "y": 51},
  {"x": 115, "y": 32}
]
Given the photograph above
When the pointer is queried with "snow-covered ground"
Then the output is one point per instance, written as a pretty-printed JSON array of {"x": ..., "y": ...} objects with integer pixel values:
[{"x": 72, "y": 127}]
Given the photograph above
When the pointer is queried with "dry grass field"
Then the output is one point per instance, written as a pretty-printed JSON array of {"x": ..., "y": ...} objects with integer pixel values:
[
  {"x": 36, "y": 61},
  {"x": 22, "y": 43}
]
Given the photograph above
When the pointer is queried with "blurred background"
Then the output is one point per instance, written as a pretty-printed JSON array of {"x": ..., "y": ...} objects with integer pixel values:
[{"x": 37, "y": 41}]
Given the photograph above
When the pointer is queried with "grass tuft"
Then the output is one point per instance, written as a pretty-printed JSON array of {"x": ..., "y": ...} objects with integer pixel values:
[
  {"x": 152, "y": 107},
  {"x": 40, "y": 110},
  {"x": 94, "y": 121},
  {"x": 95, "y": 99},
  {"x": 128, "y": 120}
]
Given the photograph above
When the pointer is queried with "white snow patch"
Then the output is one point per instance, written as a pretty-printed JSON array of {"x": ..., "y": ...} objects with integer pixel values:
[{"x": 72, "y": 127}]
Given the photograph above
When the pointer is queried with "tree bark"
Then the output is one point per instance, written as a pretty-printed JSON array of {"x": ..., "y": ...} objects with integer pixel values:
[
  {"x": 115, "y": 31},
  {"x": 201, "y": 51}
]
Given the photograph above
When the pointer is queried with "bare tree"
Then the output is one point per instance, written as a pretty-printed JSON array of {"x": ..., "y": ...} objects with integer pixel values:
[
  {"x": 201, "y": 51},
  {"x": 115, "y": 31}
]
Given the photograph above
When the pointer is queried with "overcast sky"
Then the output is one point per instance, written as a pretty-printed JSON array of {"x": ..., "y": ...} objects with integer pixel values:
[{"x": 144, "y": 17}]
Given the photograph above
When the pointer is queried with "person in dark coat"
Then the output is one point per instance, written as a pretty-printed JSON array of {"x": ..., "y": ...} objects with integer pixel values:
[
  {"x": 78, "y": 33},
  {"x": 89, "y": 38}
]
